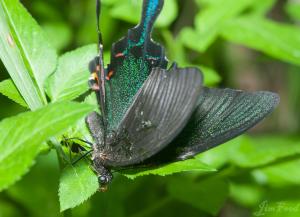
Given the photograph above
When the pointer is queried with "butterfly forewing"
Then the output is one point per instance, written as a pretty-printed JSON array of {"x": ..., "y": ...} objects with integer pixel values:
[
  {"x": 157, "y": 115},
  {"x": 96, "y": 127},
  {"x": 221, "y": 115}
]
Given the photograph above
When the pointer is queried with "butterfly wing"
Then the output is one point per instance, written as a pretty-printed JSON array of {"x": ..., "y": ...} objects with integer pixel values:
[
  {"x": 132, "y": 59},
  {"x": 96, "y": 127},
  {"x": 157, "y": 115},
  {"x": 221, "y": 115}
]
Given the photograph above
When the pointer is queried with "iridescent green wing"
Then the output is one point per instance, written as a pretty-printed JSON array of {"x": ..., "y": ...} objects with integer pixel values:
[{"x": 132, "y": 59}]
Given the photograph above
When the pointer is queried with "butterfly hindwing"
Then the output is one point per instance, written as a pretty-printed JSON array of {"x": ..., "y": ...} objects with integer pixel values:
[
  {"x": 159, "y": 112},
  {"x": 221, "y": 115},
  {"x": 132, "y": 59}
]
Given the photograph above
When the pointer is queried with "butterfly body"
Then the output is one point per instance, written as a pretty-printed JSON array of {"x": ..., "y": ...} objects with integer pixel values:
[{"x": 151, "y": 114}]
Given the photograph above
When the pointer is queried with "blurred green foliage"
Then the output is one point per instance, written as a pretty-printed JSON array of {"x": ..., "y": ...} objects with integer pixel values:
[{"x": 247, "y": 44}]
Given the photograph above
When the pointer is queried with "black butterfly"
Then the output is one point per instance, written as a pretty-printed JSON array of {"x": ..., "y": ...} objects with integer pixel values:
[{"x": 152, "y": 115}]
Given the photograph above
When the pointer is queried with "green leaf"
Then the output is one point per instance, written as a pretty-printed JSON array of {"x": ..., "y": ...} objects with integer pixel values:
[
  {"x": 293, "y": 10},
  {"x": 284, "y": 174},
  {"x": 209, "y": 22},
  {"x": 60, "y": 32},
  {"x": 71, "y": 77},
  {"x": 202, "y": 3},
  {"x": 12, "y": 59},
  {"x": 8, "y": 209},
  {"x": 115, "y": 200},
  {"x": 26, "y": 44},
  {"x": 8, "y": 88},
  {"x": 38, "y": 184},
  {"x": 262, "y": 7},
  {"x": 21, "y": 137},
  {"x": 211, "y": 77},
  {"x": 208, "y": 195},
  {"x": 217, "y": 157},
  {"x": 168, "y": 14},
  {"x": 212, "y": 17},
  {"x": 46, "y": 10},
  {"x": 277, "y": 40},
  {"x": 246, "y": 194},
  {"x": 87, "y": 23},
  {"x": 195, "y": 41},
  {"x": 91, "y": 99},
  {"x": 259, "y": 151},
  {"x": 180, "y": 166},
  {"x": 130, "y": 11},
  {"x": 176, "y": 53},
  {"x": 77, "y": 184}
]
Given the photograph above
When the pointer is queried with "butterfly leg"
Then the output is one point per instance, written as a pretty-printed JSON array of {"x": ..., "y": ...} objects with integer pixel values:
[
  {"x": 81, "y": 157},
  {"x": 81, "y": 140},
  {"x": 66, "y": 156},
  {"x": 76, "y": 148}
]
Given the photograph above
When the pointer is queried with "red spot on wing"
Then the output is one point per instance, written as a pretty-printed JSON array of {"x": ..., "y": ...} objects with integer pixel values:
[
  {"x": 119, "y": 55},
  {"x": 94, "y": 76},
  {"x": 109, "y": 75}
]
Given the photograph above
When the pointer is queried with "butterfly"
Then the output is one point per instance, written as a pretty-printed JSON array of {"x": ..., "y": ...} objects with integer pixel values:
[{"x": 152, "y": 114}]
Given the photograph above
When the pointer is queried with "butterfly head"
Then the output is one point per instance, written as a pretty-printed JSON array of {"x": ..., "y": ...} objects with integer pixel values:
[
  {"x": 104, "y": 180},
  {"x": 103, "y": 173},
  {"x": 104, "y": 177}
]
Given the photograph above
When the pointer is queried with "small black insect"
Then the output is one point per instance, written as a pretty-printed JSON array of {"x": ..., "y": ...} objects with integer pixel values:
[{"x": 152, "y": 115}]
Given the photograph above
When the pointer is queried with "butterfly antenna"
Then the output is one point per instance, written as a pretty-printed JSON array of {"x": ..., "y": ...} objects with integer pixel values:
[
  {"x": 98, "y": 12},
  {"x": 101, "y": 71}
]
